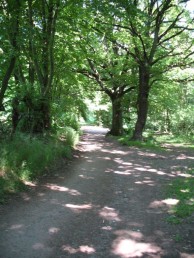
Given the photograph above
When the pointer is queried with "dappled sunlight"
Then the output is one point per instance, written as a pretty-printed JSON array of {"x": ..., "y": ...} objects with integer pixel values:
[
  {"x": 126, "y": 172},
  {"x": 170, "y": 201},
  {"x": 146, "y": 182},
  {"x": 183, "y": 156},
  {"x": 113, "y": 151},
  {"x": 86, "y": 177},
  {"x": 129, "y": 244},
  {"x": 16, "y": 226},
  {"x": 181, "y": 174},
  {"x": 107, "y": 228},
  {"x": 53, "y": 230},
  {"x": 109, "y": 214},
  {"x": 55, "y": 187},
  {"x": 152, "y": 155},
  {"x": 150, "y": 170},
  {"x": 78, "y": 208},
  {"x": 81, "y": 249},
  {"x": 32, "y": 184},
  {"x": 163, "y": 203},
  {"x": 90, "y": 146}
]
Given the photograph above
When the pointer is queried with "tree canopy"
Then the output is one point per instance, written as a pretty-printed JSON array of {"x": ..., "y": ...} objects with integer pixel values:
[{"x": 136, "y": 56}]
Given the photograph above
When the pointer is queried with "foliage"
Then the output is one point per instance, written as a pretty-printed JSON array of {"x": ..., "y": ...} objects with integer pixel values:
[{"x": 24, "y": 157}]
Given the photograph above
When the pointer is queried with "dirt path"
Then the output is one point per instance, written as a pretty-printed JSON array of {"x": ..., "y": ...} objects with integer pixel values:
[{"x": 107, "y": 203}]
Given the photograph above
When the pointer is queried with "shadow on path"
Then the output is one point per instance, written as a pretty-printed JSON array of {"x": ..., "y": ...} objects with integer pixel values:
[{"x": 108, "y": 203}]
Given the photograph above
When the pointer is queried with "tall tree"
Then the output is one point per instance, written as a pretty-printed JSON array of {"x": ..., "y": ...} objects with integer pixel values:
[
  {"x": 10, "y": 14},
  {"x": 156, "y": 38},
  {"x": 42, "y": 17},
  {"x": 108, "y": 65},
  {"x": 159, "y": 31}
]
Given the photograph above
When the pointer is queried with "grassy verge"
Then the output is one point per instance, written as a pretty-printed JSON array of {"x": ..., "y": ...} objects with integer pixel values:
[
  {"x": 182, "y": 190},
  {"x": 173, "y": 139},
  {"x": 24, "y": 158},
  {"x": 148, "y": 143}
]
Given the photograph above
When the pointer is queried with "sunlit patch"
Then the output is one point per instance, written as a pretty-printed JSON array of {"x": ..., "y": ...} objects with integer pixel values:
[
  {"x": 82, "y": 249},
  {"x": 143, "y": 182},
  {"x": 86, "y": 249},
  {"x": 147, "y": 154},
  {"x": 70, "y": 249},
  {"x": 185, "y": 190},
  {"x": 163, "y": 203},
  {"x": 109, "y": 214},
  {"x": 118, "y": 152},
  {"x": 126, "y": 248},
  {"x": 141, "y": 169},
  {"x": 156, "y": 204},
  {"x": 57, "y": 188},
  {"x": 108, "y": 228},
  {"x": 127, "y": 163},
  {"x": 62, "y": 189},
  {"x": 122, "y": 173},
  {"x": 38, "y": 246},
  {"x": 53, "y": 230},
  {"x": 161, "y": 173},
  {"x": 86, "y": 177},
  {"x": 182, "y": 156},
  {"x": 79, "y": 207},
  {"x": 29, "y": 183},
  {"x": 139, "y": 182},
  {"x": 170, "y": 201},
  {"x": 16, "y": 226}
]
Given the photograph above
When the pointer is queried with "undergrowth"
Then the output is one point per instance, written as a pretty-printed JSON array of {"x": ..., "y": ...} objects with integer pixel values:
[
  {"x": 182, "y": 190},
  {"x": 25, "y": 158},
  {"x": 148, "y": 143}
]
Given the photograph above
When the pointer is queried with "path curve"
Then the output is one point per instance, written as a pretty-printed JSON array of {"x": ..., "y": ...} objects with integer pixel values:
[{"x": 107, "y": 203}]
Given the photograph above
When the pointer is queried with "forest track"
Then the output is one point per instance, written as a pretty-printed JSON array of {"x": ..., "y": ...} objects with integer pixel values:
[{"x": 107, "y": 203}]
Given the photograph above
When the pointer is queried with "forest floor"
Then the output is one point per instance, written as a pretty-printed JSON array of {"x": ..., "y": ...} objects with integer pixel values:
[{"x": 109, "y": 201}]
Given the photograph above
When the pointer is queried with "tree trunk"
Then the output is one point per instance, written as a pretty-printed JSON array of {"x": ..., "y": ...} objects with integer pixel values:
[
  {"x": 117, "y": 117},
  {"x": 13, "y": 34},
  {"x": 142, "y": 103},
  {"x": 44, "y": 65}
]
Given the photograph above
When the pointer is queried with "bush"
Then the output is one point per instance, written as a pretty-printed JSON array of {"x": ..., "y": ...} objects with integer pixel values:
[{"x": 24, "y": 158}]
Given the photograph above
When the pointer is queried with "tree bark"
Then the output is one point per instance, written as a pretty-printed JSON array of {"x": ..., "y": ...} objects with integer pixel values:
[
  {"x": 117, "y": 117},
  {"x": 43, "y": 58},
  {"x": 142, "y": 102},
  {"x": 14, "y": 24}
]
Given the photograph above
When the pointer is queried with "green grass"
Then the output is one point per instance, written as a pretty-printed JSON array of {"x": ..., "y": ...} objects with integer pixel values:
[
  {"x": 148, "y": 143},
  {"x": 174, "y": 139},
  {"x": 25, "y": 158},
  {"x": 181, "y": 189}
]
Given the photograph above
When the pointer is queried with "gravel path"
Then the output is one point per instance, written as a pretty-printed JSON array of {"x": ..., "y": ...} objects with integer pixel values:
[{"x": 109, "y": 202}]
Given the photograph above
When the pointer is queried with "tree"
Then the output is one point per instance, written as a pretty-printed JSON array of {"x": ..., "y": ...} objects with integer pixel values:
[
  {"x": 157, "y": 29},
  {"x": 42, "y": 19},
  {"x": 10, "y": 18},
  {"x": 103, "y": 62}
]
